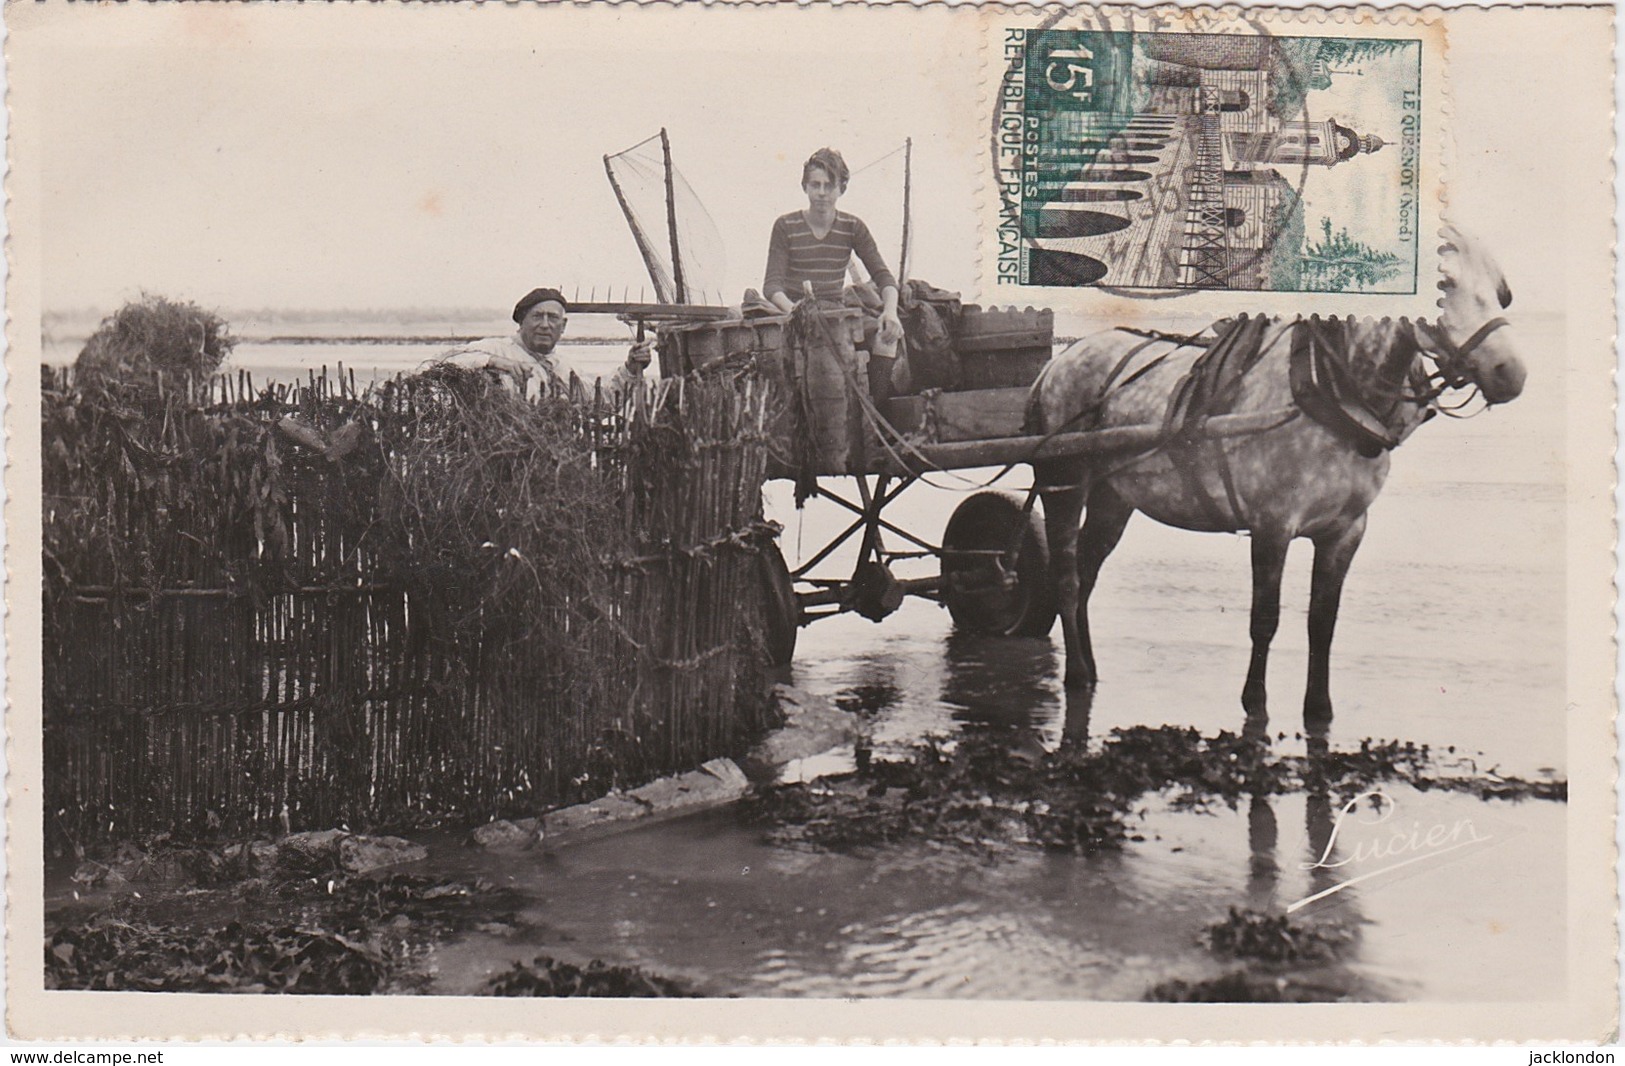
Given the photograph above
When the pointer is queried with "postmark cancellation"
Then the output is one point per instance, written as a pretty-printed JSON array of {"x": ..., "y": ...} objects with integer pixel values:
[{"x": 1190, "y": 156}]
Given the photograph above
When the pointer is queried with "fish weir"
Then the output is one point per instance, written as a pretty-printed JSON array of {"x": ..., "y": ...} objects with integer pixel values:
[{"x": 305, "y": 606}]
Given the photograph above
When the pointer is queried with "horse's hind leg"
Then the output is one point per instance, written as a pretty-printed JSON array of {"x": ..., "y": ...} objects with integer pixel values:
[
  {"x": 1106, "y": 516},
  {"x": 1269, "y": 559},
  {"x": 1063, "y": 483},
  {"x": 1333, "y": 554}
]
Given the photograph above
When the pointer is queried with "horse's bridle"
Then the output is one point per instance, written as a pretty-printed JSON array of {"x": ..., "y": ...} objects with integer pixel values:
[{"x": 1452, "y": 357}]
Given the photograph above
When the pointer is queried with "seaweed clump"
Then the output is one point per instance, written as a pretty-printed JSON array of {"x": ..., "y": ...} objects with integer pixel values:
[
  {"x": 425, "y": 906},
  {"x": 351, "y": 936},
  {"x": 976, "y": 792},
  {"x": 112, "y": 953},
  {"x": 1239, "y": 986},
  {"x": 153, "y": 345},
  {"x": 1275, "y": 938},
  {"x": 547, "y": 976}
]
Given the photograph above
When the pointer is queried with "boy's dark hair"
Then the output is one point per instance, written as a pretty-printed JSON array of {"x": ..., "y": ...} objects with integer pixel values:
[{"x": 830, "y": 162}]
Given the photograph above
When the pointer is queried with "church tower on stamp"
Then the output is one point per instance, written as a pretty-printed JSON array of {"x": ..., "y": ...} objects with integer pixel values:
[{"x": 1300, "y": 142}]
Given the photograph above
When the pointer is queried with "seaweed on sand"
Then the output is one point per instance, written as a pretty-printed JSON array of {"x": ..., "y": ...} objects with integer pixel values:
[
  {"x": 547, "y": 976},
  {"x": 1348, "y": 773},
  {"x": 977, "y": 792},
  {"x": 333, "y": 937},
  {"x": 112, "y": 953},
  {"x": 1239, "y": 986},
  {"x": 974, "y": 794},
  {"x": 1275, "y": 938}
]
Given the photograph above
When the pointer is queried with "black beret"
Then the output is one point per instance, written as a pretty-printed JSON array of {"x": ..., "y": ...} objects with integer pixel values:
[{"x": 536, "y": 296}]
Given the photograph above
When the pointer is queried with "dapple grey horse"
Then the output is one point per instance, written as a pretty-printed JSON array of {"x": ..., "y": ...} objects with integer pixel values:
[{"x": 1295, "y": 479}]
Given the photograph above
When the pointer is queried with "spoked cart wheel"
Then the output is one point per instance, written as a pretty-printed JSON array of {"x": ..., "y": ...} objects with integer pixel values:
[
  {"x": 983, "y": 591},
  {"x": 779, "y": 607}
]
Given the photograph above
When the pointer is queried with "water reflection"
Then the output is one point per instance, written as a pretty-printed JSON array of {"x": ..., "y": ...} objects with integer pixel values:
[
  {"x": 712, "y": 898},
  {"x": 1312, "y": 869},
  {"x": 869, "y": 699},
  {"x": 1007, "y": 684},
  {"x": 1055, "y": 925},
  {"x": 1263, "y": 871},
  {"x": 1080, "y": 703}
]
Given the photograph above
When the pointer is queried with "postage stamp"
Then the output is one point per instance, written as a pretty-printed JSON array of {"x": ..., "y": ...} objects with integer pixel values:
[
  {"x": 1187, "y": 157},
  {"x": 682, "y": 522}
]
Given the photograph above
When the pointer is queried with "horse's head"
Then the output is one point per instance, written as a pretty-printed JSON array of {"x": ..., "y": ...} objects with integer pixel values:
[{"x": 1471, "y": 340}]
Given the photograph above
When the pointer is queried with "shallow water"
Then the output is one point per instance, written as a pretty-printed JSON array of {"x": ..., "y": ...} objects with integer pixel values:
[
  {"x": 282, "y": 361},
  {"x": 1451, "y": 632},
  {"x": 705, "y": 899}
]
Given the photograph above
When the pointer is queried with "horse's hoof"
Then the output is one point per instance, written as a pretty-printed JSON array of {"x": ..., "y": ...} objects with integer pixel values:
[
  {"x": 1317, "y": 721},
  {"x": 1079, "y": 678}
]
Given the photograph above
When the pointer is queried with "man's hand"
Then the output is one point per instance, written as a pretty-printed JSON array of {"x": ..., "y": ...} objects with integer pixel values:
[
  {"x": 891, "y": 327},
  {"x": 637, "y": 359}
]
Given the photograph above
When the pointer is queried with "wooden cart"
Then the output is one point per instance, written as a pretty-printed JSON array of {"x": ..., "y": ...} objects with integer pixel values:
[{"x": 992, "y": 573}]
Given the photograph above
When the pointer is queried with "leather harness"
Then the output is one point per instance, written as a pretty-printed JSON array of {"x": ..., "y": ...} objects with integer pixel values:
[{"x": 1323, "y": 386}]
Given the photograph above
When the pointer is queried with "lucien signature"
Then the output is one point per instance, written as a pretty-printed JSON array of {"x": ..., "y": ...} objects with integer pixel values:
[{"x": 1395, "y": 846}]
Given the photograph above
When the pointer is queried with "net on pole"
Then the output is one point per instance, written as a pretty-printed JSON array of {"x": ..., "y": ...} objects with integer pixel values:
[
  {"x": 659, "y": 203},
  {"x": 875, "y": 194}
]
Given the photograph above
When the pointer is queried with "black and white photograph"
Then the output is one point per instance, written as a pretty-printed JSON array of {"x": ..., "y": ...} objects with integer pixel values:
[{"x": 968, "y": 522}]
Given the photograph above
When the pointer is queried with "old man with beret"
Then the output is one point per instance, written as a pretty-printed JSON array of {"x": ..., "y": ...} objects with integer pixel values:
[{"x": 527, "y": 360}]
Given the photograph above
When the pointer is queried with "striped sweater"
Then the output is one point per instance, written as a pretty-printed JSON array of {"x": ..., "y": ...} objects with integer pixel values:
[{"x": 795, "y": 255}]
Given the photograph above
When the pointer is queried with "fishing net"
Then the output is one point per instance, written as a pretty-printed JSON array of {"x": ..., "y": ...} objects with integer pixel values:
[
  {"x": 639, "y": 177},
  {"x": 875, "y": 194}
]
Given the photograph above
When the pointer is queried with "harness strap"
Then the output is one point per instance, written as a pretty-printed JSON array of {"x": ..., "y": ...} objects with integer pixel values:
[
  {"x": 1238, "y": 519},
  {"x": 1443, "y": 346},
  {"x": 1185, "y": 454},
  {"x": 1180, "y": 340},
  {"x": 1313, "y": 375},
  {"x": 1116, "y": 371},
  {"x": 1093, "y": 408},
  {"x": 1207, "y": 389}
]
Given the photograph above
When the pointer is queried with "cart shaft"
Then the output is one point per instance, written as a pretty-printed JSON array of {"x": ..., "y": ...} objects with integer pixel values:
[{"x": 923, "y": 458}]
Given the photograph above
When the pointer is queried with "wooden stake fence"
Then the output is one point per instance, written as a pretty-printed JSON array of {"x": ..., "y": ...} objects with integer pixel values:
[{"x": 427, "y": 601}]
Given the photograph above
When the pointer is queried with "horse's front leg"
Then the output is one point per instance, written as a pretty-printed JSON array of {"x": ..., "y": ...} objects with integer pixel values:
[
  {"x": 1269, "y": 559},
  {"x": 1333, "y": 554},
  {"x": 1063, "y": 485}
]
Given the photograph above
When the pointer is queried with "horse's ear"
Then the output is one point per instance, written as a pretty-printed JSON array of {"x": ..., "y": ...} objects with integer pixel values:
[{"x": 1449, "y": 251}]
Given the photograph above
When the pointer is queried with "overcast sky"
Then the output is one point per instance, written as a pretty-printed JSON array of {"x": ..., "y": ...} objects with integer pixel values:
[
  {"x": 302, "y": 157},
  {"x": 466, "y": 165}
]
